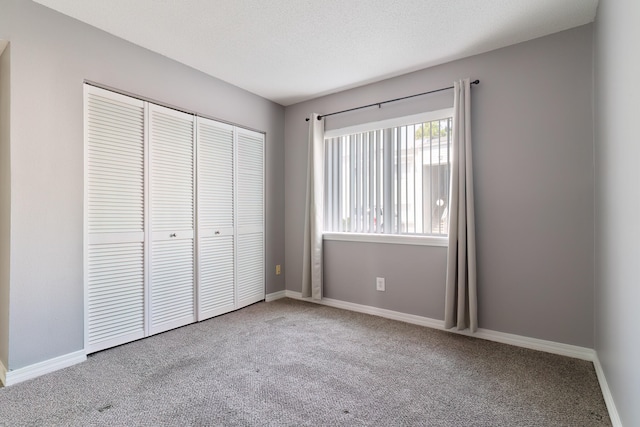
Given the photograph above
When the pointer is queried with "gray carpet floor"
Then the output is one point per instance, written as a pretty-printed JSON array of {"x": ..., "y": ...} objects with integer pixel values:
[{"x": 292, "y": 363}]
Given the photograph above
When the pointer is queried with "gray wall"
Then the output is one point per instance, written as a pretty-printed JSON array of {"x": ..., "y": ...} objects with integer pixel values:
[
  {"x": 534, "y": 178},
  {"x": 5, "y": 205},
  {"x": 51, "y": 55},
  {"x": 402, "y": 266},
  {"x": 617, "y": 316}
]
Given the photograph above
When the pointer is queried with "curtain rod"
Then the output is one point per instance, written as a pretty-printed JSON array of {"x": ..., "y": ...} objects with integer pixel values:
[{"x": 379, "y": 104}]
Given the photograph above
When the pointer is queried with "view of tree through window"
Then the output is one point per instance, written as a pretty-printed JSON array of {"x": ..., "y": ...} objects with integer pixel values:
[{"x": 392, "y": 181}]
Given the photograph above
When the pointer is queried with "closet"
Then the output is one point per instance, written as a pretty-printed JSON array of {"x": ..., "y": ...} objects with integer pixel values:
[{"x": 174, "y": 218}]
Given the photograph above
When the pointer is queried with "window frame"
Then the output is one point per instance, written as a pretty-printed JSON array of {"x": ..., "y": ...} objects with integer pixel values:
[{"x": 404, "y": 239}]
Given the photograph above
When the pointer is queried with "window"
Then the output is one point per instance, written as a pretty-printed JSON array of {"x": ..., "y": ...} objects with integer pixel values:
[{"x": 389, "y": 178}]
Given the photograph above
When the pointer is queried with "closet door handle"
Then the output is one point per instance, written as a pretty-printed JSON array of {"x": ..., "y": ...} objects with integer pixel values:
[
  {"x": 172, "y": 235},
  {"x": 217, "y": 232}
]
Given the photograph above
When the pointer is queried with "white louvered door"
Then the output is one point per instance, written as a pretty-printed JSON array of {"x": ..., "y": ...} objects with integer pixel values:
[
  {"x": 171, "y": 299},
  {"x": 152, "y": 262},
  {"x": 250, "y": 217},
  {"x": 216, "y": 242},
  {"x": 114, "y": 219}
]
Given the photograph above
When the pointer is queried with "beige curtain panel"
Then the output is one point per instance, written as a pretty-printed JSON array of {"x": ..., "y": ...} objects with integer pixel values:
[
  {"x": 461, "y": 306},
  {"x": 314, "y": 212}
]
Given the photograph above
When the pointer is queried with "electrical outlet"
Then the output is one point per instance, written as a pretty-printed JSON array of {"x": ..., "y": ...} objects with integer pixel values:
[
  {"x": 380, "y": 284},
  {"x": 278, "y": 270}
]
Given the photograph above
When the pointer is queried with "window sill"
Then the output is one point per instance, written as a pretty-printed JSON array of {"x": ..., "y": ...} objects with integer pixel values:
[{"x": 395, "y": 239}]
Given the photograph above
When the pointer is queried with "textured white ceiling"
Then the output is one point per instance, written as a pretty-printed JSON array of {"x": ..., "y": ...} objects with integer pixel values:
[{"x": 292, "y": 50}]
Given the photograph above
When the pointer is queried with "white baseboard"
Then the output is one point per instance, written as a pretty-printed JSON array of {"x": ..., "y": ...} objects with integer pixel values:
[
  {"x": 568, "y": 350},
  {"x": 41, "y": 368},
  {"x": 606, "y": 393},
  {"x": 486, "y": 334},
  {"x": 275, "y": 295}
]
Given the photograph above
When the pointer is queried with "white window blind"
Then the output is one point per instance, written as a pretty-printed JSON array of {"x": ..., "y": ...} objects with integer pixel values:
[{"x": 389, "y": 180}]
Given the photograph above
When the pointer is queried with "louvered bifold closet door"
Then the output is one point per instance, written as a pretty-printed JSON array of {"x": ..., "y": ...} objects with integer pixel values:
[
  {"x": 216, "y": 245},
  {"x": 114, "y": 219},
  {"x": 250, "y": 218},
  {"x": 172, "y": 269}
]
